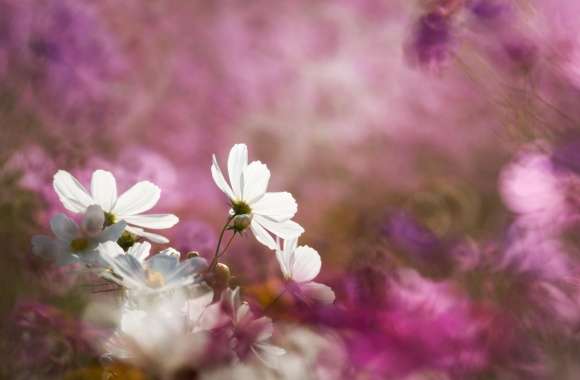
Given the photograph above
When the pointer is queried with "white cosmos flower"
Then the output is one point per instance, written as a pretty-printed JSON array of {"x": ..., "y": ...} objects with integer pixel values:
[
  {"x": 136, "y": 270},
  {"x": 129, "y": 206},
  {"x": 76, "y": 243},
  {"x": 269, "y": 212},
  {"x": 161, "y": 334},
  {"x": 301, "y": 265}
]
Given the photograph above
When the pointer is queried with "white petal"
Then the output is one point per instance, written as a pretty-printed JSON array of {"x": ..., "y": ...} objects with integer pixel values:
[
  {"x": 285, "y": 255},
  {"x": 197, "y": 305},
  {"x": 264, "y": 326},
  {"x": 268, "y": 354},
  {"x": 155, "y": 238},
  {"x": 305, "y": 265},
  {"x": 110, "y": 249},
  {"x": 129, "y": 270},
  {"x": 63, "y": 227},
  {"x": 140, "y": 251},
  {"x": 314, "y": 291},
  {"x": 71, "y": 193},
  {"x": 242, "y": 314},
  {"x": 171, "y": 252},
  {"x": 270, "y": 349},
  {"x": 262, "y": 235},
  {"x": 290, "y": 245},
  {"x": 212, "y": 317},
  {"x": 154, "y": 221},
  {"x": 139, "y": 198},
  {"x": 286, "y": 230},
  {"x": 94, "y": 220},
  {"x": 237, "y": 161},
  {"x": 283, "y": 261},
  {"x": 104, "y": 189},
  {"x": 279, "y": 206},
  {"x": 112, "y": 233},
  {"x": 219, "y": 179},
  {"x": 44, "y": 246},
  {"x": 54, "y": 250},
  {"x": 256, "y": 177}
]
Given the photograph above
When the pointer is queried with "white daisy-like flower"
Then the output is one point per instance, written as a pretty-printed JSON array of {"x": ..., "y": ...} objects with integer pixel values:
[
  {"x": 301, "y": 265},
  {"x": 266, "y": 212},
  {"x": 76, "y": 243},
  {"x": 137, "y": 270},
  {"x": 129, "y": 206},
  {"x": 161, "y": 334}
]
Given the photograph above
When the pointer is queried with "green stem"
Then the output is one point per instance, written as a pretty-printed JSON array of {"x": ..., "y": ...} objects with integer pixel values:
[
  {"x": 275, "y": 299},
  {"x": 227, "y": 246},
  {"x": 217, "y": 249}
]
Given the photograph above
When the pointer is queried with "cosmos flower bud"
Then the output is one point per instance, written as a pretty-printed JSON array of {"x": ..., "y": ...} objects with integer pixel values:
[
  {"x": 241, "y": 222},
  {"x": 191, "y": 254},
  {"x": 127, "y": 240},
  {"x": 94, "y": 220},
  {"x": 222, "y": 275}
]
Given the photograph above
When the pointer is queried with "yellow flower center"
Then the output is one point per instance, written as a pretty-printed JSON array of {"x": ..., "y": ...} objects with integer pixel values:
[
  {"x": 241, "y": 208},
  {"x": 79, "y": 244},
  {"x": 126, "y": 240},
  {"x": 154, "y": 279},
  {"x": 110, "y": 219}
]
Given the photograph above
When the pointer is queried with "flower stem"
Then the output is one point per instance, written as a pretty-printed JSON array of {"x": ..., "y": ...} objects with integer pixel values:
[
  {"x": 227, "y": 246},
  {"x": 275, "y": 299},
  {"x": 217, "y": 249}
]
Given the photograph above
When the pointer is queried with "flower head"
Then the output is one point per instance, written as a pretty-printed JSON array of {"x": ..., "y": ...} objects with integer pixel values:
[
  {"x": 162, "y": 335},
  {"x": 75, "y": 243},
  {"x": 264, "y": 212},
  {"x": 301, "y": 265},
  {"x": 136, "y": 270},
  {"x": 128, "y": 207}
]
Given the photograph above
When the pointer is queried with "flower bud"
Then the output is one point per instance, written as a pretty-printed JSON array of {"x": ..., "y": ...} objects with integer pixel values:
[
  {"x": 241, "y": 222},
  {"x": 127, "y": 240},
  {"x": 94, "y": 220},
  {"x": 192, "y": 254},
  {"x": 222, "y": 275}
]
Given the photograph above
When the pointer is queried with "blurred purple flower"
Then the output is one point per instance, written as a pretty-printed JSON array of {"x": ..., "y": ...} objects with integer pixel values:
[
  {"x": 417, "y": 244},
  {"x": 432, "y": 39},
  {"x": 193, "y": 235},
  {"x": 567, "y": 157},
  {"x": 487, "y": 9},
  {"x": 422, "y": 325},
  {"x": 63, "y": 60},
  {"x": 409, "y": 235},
  {"x": 521, "y": 52},
  {"x": 44, "y": 340}
]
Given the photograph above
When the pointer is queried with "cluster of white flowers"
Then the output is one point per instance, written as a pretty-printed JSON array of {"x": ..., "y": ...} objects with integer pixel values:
[{"x": 171, "y": 314}]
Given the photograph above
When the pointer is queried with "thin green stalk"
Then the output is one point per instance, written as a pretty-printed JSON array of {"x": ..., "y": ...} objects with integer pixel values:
[
  {"x": 275, "y": 299},
  {"x": 217, "y": 249}
]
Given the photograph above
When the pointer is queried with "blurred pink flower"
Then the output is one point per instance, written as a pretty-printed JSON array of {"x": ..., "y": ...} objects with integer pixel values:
[{"x": 530, "y": 187}]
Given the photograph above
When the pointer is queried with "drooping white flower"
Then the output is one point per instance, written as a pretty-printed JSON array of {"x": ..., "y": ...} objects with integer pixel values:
[
  {"x": 266, "y": 212},
  {"x": 136, "y": 270},
  {"x": 76, "y": 243},
  {"x": 129, "y": 206},
  {"x": 301, "y": 265}
]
